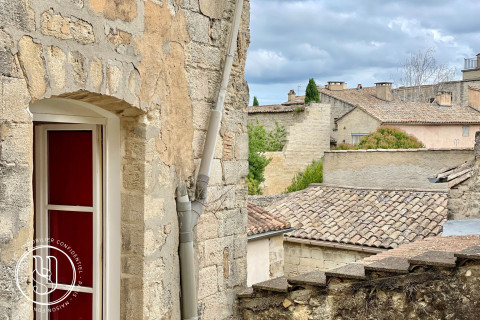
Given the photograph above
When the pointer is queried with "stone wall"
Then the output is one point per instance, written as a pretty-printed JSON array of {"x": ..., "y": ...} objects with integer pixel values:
[
  {"x": 303, "y": 257},
  {"x": 265, "y": 259},
  {"x": 357, "y": 121},
  {"x": 383, "y": 168},
  {"x": 459, "y": 90},
  {"x": 426, "y": 294},
  {"x": 338, "y": 109},
  {"x": 464, "y": 198},
  {"x": 157, "y": 65},
  {"x": 286, "y": 119},
  {"x": 306, "y": 141}
]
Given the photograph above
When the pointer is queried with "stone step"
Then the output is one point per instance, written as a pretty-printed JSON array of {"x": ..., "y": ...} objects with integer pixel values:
[
  {"x": 389, "y": 264},
  {"x": 245, "y": 293},
  {"x": 434, "y": 258},
  {"x": 314, "y": 278},
  {"x": 277, "y": 285},
  {"x": 471, "y": 253},
  {"x": 353, "y": 271}
]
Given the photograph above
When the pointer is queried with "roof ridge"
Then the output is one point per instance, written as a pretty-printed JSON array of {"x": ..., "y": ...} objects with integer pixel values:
[{"x": 329, "y": 185}]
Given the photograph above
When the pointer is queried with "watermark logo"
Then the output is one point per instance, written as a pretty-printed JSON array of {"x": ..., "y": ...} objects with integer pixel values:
[{"x": 45, "y": 274}]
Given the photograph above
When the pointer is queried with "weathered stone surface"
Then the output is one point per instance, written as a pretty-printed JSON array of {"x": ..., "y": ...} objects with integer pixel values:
[
  {"x": 277, "y": 285},
  {"x": 56, "y": 66},
  {"x": 32, "y": 64},
  {"x": 314, "y": 278},
  {"x": 425, "y": 295},
  {"x": 116, "y": 9},
  {"x": 17, "y": 14},
  {"x": 390, "y": 264},
  {"x": 119, "y": 37},
  {"x": 77, "y": 61},
  {"x": 472, "y": 253},
  {"x": 434, "y": 258},
  {"x": 96, "y": 74},
  {"x": 64, "y": 28},
  {"x": 212, "y": 9},
  {"x": 114, "y": 77},
  {"x": 349, "y": 271}
]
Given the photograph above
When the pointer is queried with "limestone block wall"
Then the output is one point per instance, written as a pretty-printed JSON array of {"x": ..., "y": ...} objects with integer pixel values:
[
  {"x": 268, "y": 119},
  {"x": 382, "y": 168},
  {"x": 157, "y": 66},
  {"x": 306, "y": 141},
  {"x": 303, "y": 257}
]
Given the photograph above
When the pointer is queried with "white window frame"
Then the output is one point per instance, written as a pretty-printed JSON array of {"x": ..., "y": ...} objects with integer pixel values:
[
  {"x": 358, "y": 135},
  {"x": 67, "y": 111}
]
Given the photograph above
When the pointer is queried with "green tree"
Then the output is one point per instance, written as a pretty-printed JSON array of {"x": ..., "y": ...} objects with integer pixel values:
[
  {"x": 311, "y": 93},
  {"x": 312, "y": 174},
  {"x": 259, "y": 141},
  {"x": 385, "y": 138},
  {"x": 255, "y": 101}
]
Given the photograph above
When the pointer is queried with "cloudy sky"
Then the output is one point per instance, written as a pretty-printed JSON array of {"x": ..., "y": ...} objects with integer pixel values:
[{"x": 356, "y": 41}]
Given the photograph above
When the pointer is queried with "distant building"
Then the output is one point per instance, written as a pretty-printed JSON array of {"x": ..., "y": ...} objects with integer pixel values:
[{"x": 265, "y": 245}]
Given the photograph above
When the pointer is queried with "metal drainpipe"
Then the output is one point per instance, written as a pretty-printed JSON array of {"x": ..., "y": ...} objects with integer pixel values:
[{"x": 188, "y": 212}]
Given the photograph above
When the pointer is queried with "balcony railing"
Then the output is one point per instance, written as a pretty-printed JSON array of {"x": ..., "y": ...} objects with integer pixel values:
[{"x": 470, "y": 64}]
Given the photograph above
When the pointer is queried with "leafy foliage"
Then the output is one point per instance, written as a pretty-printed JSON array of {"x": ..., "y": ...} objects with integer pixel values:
[
  {"x": 260, "y": 140},
  {"x": 385, "y": 138},
  {"x": 311, "y": 93},
  {"x": 312, "y": 174},
  {"x": 255, "y": 101}
]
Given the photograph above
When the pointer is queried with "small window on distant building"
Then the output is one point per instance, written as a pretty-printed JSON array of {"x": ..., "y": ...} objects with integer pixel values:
[
  {"x": 465, "y": 131},
  {"x": 356, "y": 137}
]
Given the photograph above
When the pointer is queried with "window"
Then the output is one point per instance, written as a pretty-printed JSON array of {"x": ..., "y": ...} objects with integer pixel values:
[
  {"x": 356, "y": 137},
  {"x": 77, "y": 201},
  {"x": 68, "y": 209},
  {"x": 465, "y": 131}
]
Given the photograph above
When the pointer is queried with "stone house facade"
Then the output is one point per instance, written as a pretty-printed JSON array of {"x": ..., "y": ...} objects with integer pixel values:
[{"x": 131, "y": 82}]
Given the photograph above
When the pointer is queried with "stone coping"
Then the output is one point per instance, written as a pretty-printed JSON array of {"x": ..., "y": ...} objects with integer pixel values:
[{"x": 399, "y": 150}]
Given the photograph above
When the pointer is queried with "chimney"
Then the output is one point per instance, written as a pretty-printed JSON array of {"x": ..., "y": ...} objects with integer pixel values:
[
  {"x": 336, "y": 85},
  {"x": 291, "y": 95},
  {"x": 444, "y": 99},
  {"x": 474, "y": 97},
  {"x": 384, "y": 90},
  {"x": 359, "y": 86}
]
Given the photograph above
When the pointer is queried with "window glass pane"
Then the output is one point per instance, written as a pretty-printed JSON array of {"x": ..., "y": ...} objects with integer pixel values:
[
  {"x": 465, "y": 131},
  {"x": 73, "y": 234},
  {"x": 70, "y": 166},
  {"x": 77, "y": 306}
]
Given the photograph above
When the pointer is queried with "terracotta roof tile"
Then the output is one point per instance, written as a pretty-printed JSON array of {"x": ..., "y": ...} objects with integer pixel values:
[
  {"x": 398, "y": 111},
  {"x": 365, "y": 219},
  {"x": 261, "y": 221}
]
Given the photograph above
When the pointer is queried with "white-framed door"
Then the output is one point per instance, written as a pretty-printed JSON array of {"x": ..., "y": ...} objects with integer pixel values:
[{"x": 69, "y": 206}]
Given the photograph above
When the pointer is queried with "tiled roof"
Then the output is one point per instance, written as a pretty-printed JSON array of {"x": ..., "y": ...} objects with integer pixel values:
[
  {"x": 368, "y": 217},
  {"x": 456, "y": 175},
  {"x": 410, "y": 250},
  {"x": 261, "y": 221},
  {"x": 422, "y": 113},
  {"x": 273, "y": 108},
  {"x": 398, "y": 111}
]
